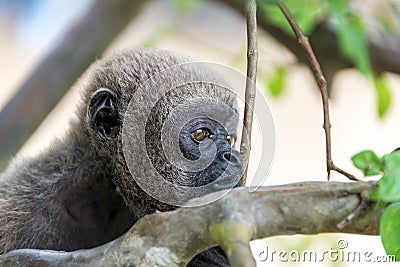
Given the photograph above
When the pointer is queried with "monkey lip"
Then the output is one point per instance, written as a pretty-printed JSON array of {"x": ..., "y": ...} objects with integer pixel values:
[{"x": 229, "y": 180}]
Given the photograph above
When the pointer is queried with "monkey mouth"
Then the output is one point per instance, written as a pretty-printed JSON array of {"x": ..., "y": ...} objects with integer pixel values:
[
  {"x": 228, "y": 180},
  {"x": 223, "y": 178}
]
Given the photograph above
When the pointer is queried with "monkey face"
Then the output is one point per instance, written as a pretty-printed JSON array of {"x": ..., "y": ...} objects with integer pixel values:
[
  {"x": 206, "y": 138},
  {"x": 194, "y": 152},
  {"x": 167, "y": 124},
  {"x": 192, "y": 144}
]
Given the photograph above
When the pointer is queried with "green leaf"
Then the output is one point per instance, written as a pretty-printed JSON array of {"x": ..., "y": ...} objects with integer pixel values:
[
  {"x": 390, "y": 230},
  {"x": 351, "y": 34},
  {"x": 389, "y": 188},
  {"x": 306, "y": 14},
  {"x": 277, "y": 82},
  {"x": 389, "y": 185},
  {"x": 368, "y": 162},
  {"x": 384, "y": 95},
  {"x": 391, "y": 162},
  {"x": 337, "y": 6}
]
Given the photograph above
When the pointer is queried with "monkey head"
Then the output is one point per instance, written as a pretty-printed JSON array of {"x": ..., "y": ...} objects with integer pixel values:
[{"x": 165, "y": 125}]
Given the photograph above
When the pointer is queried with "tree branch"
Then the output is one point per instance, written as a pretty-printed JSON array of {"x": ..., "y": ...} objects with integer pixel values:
[
  {"x": 316, "y": 68},
  {"x": 250, "y": 93},
  {"x": 173, "y": 238},
  {"x": 83, "y": 43},
  {"x": 384, "y": 49}
]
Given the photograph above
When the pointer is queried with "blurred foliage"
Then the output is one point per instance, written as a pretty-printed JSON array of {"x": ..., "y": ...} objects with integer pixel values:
[
  {"x": 388, "y": 192},
  {"x": 349, "y": 27},
  {"x": 384, "y": 95},
  {"x": 155, "y": 39},
  {"x": 307, "y": 14},
  {"x": 351, "y": 34},
  {"x": 186, "y": 6},
  {"x": 276, "y": 82}
]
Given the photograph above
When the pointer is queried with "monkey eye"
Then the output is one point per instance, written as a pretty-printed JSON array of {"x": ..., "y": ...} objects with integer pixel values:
[
  {"x": 231, "y": 140},
  {"x": 201, "y": 134}
]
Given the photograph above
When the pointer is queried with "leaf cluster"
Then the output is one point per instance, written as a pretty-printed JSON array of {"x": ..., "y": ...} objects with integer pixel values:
[
  {"x": 350, "y": 28},
  {"x": 388, "y": 193}
]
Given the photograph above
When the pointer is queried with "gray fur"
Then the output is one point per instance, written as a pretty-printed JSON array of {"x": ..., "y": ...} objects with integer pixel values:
[{"x": 43, "y": 200}]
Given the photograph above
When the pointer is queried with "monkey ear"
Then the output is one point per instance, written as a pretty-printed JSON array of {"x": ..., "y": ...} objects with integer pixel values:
[{"x": 103, "y": 113}]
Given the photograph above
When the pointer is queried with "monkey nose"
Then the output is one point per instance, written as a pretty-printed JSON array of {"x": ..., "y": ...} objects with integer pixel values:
[{"x": 233, "y": 157}]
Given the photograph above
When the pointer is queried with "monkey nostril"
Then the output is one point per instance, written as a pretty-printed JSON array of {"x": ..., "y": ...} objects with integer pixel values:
[
  {"x": 227, "y": 156},
  {"x": 231, "y": 157}
]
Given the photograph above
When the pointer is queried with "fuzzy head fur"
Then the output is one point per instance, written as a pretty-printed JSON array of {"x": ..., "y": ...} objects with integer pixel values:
[
  {"x": 124, "y": 73},
  {"x": 69, "y": 196}
]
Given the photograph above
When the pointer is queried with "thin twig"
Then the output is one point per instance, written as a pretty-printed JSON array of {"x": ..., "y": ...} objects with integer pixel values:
[
  {"x": 316, "y": 68},
  {"x": 356, "y": 212},
  {"x": 81, "y": 44},
  {"x": 250, "y": 94}
]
